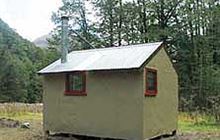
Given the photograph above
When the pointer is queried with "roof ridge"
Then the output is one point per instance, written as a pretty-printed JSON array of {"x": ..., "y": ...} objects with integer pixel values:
[{"x": 119, "y": 47}]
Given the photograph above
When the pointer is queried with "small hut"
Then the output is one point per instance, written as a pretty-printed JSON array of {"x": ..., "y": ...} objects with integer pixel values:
[{"x": 128, "y": 92}]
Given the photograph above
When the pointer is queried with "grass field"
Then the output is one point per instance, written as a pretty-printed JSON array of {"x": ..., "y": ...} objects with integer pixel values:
[
  {"x": 201, "y": 123},
  {"x": 31, "y": 113},
  {"x": 199, "y": 127}
]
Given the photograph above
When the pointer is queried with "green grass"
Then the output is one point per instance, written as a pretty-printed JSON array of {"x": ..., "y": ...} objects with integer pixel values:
[
  {"x": 197, "y": 123},
  {"x": 22, "y": 116},
  {"x": 189, "y": 127}
]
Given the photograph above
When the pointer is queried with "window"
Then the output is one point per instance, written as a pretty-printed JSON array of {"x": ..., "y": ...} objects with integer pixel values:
[
  {"x": 76, "y": 83},
  {"x": 151, "y": 82}
]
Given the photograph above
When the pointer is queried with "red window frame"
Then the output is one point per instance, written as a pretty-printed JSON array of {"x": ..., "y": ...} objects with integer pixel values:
[
  {"x": 76, "y": 92},
  {"x": 150, "y": 92}
]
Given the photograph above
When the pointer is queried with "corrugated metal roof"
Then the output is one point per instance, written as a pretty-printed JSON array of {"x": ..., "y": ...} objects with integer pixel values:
[{"x": 125, "y": 57}]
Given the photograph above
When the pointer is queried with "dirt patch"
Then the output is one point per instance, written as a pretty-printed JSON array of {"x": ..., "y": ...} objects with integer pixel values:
[
  {"x": 35, "y": 132},
  {"x": 199, "y": 136},
  {"x": 4, "y": 122}
]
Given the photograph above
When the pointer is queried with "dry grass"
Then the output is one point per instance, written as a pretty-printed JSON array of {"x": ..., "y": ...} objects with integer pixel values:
[{"x": 15, "y": 109}]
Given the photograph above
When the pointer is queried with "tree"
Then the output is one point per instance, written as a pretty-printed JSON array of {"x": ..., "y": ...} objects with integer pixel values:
[
  {"x": 79, "y": 25},
  {"x": 13, "y": 78},
  {"x": 20, "y": 60}
]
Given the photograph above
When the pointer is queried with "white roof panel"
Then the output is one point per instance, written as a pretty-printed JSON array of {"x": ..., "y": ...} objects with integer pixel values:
[{"x": 124, "y": 57}]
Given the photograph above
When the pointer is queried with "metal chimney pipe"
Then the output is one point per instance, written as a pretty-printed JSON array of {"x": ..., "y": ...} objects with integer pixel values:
[{"x": 64, "y": 50}]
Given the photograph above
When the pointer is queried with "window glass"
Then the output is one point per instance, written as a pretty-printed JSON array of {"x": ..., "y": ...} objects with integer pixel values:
[
  {"x": 151, "y": 80},
  {"x": 75, "y": 83}
]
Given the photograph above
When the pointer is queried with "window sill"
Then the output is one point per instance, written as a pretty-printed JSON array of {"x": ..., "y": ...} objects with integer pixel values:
[
  {"x": 75, "y": 93},
  {"x": 151, "y": 93}
]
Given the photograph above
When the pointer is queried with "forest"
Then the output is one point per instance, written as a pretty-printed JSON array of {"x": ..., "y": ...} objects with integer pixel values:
[
  {"x": 19, "y": 62},
  {"x": 190, "y": 28}
]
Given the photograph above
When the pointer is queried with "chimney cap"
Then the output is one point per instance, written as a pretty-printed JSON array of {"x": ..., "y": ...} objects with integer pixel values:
[{"x": 64, "y": 18}]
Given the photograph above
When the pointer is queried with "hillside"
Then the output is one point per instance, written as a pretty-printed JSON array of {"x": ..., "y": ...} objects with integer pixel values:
[
  {"x": 15, "y": 44},
  {"x": 42, "y": 41},
  {"x": 20, "y": 60}
]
